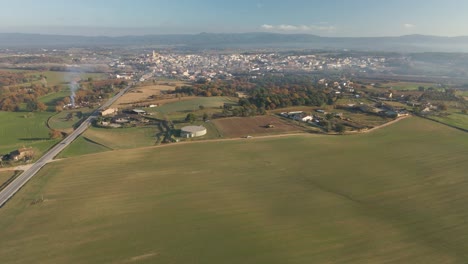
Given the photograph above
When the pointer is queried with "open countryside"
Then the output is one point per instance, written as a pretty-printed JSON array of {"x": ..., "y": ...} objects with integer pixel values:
[
  {"x": 322, "y": 201},
  {"x": 303, "y": 132}
]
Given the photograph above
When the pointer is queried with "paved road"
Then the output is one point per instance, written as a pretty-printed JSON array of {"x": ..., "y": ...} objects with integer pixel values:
[{"x": 21, "y": 180}]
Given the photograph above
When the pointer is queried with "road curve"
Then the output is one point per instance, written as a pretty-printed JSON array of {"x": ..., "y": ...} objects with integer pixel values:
[{"x": 22, "y": 179}]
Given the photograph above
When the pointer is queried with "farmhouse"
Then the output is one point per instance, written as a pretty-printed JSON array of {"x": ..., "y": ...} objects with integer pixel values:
[
  {"x": 21, "y": 154},
  {"x": 138, "y": 111},
  {"x": 298, "y": 116},
  {"x": 193, "y": 131}
]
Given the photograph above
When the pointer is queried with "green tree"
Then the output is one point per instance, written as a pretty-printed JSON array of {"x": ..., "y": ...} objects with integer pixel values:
[
  {"x": 340, "y": 128},
  {"x": 190, "y": 117},
  {"x": 205, "y": 117},
  {"x": 329, "y": 116}
]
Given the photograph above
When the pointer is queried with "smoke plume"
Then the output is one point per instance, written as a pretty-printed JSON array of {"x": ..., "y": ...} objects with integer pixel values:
[{"x": 73, "y": 88}]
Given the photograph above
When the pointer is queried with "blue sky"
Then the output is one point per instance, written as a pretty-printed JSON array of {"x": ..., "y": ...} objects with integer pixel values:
[{"x": 321, "y": 17}]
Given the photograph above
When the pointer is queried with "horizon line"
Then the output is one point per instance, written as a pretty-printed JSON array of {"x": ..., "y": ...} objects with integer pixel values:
[{"x": 224, "y": 33}]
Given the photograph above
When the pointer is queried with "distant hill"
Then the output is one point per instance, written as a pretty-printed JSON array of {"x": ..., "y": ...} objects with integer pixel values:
[{"x": 410, "y": 43}]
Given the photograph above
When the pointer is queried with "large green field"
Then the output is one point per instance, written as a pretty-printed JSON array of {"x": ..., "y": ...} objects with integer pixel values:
[
  {"x": 179, "y": 109},
  {"x": 396, "y": 195},
  {"x": 20, "y": 129}
]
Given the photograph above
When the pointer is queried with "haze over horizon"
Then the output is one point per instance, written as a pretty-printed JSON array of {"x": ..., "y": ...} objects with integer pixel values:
[{"x": 335, "y": 18}]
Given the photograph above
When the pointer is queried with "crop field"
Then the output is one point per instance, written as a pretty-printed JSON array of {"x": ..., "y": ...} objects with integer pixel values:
[
  {"x": 250, "y": 126},
  {"x": 20, "y": 129},
  {"x": 142, "y": 93},
  {"x": 397, "y": 195}
]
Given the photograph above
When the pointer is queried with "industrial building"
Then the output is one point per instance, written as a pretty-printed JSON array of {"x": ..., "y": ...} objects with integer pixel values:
[{"x": 193, "y": 131}]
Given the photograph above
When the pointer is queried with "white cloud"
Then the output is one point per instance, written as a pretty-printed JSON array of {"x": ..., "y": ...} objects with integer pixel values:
[
  {"x": 267, "y": 27},
  {"x": 409, "y": 26},
  {"x": 297, "y": 28}
]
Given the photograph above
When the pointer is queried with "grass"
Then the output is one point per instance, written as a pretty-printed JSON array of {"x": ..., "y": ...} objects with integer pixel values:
[
  {"x": 60, "y": 122},
  {"x": 101, "y": 139},
  {"x": 397, "y": 195},
  {"x": 51, "y": 99},
  {"x": 179, "y": 109},
  {"x": 83, "y": 146},
  {"x": 5, "y": 176},
  {"x": 20, "y": 129},
  {"x": 455, "y": 118}
]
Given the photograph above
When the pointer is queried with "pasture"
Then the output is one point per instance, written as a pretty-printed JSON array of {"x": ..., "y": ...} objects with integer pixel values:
[
  {"x": 254, "y": 126},
  {"x": 59, "y": 121},
  {"x": 454, "y": 118},
  {"x": 101, "y": 139},
  {"x": 20, "y": 129},
  {"x": 397, "y": 195},
  {"x": 178, "y": 109}
]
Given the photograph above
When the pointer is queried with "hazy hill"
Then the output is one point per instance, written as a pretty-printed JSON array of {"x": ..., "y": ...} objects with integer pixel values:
[{"x": 410, "y": 43}]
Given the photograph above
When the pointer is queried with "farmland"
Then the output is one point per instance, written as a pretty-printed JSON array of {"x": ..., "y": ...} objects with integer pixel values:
[
  {"x": 454, "y": 117},
  {"x": 179, "y": 109},
  {"x": 241, "y": 127},
  {"x": 20, "y": 129},
  {"x": 143, "y": 92},
  {"x": 100, "y": 139},
  {"x": 60, "y": 121},
  {"x": 395, "y": 195}
]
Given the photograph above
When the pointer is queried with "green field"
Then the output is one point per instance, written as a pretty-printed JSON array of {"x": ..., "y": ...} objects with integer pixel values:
[
  {"x": 397, "y": 195},
  {"x": 82, "y": 146},
  {"x": 178, "y": 110},
  {"x": 59, "y": 121},
  {"x": 20, "y": 129},
  {"x": 101, "y": 139},
  {"x": 456, "y": 118}
]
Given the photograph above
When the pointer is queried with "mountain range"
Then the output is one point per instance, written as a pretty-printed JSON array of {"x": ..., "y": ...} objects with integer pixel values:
[{"x": 409, "y": 43}]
